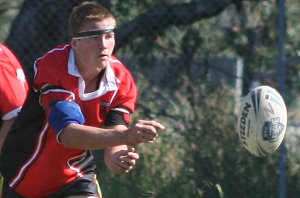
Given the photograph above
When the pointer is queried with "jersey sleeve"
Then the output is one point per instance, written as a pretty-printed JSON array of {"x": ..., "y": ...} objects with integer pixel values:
[
  {"x": 126, "y": 97},
  {"x": 13, "y": 84},
  {"x": 13, "y": 91},
  {"x": 51, "y": 82},
  {"x": 125, "y": 101},
  {"x": 50, "y": 79}
]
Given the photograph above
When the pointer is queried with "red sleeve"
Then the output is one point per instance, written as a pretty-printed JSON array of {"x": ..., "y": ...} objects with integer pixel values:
[
  {"x": 46, "y": 72},
  {"x": 13, "y": 84},
  {"x": 126, "y": 97},
  {"x": 51, "y": 77},
  {"x": 12, "y": 93}
]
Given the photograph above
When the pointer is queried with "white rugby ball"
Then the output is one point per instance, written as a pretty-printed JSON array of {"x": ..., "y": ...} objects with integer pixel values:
[{"x": 262, "y": 121}]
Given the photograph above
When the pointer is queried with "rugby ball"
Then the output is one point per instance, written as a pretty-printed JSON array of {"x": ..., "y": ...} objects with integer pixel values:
[{"x": 262, "y": 121}]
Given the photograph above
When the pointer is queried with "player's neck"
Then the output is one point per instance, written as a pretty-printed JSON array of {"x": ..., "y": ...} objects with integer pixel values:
[{"x": 92, "y": 81}]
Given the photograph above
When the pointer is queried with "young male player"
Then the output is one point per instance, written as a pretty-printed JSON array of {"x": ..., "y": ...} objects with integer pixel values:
[
  {"x": 82, "y": 100},
  {"x": 13, "y": 91}
]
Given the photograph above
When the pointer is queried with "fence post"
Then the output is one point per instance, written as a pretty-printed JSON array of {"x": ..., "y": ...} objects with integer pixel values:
[{"x": 281, "y": 84}]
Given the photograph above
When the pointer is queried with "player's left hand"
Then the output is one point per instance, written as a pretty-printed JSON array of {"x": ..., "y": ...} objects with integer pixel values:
[{"x": 122, "y": 161}]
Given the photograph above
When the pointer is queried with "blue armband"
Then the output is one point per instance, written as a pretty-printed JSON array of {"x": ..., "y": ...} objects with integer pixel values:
[{"x": 63, "y": 113}]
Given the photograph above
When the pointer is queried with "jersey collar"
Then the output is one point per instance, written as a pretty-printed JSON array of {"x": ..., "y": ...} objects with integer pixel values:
[{"x": 109, "y": 82}]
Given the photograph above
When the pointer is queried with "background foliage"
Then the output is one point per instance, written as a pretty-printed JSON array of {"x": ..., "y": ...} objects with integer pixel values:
[{"x": 184, "y": 56}]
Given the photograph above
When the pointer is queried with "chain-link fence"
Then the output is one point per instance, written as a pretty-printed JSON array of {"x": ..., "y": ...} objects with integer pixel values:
[
  {"x": 186, "y": 57},
  {"x": 146, "y": 29}
]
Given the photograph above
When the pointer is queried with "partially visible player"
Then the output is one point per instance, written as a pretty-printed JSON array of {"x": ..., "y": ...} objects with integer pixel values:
[
  {"x": 82, "y": 100},
  {"x": 13, "y": 91}
]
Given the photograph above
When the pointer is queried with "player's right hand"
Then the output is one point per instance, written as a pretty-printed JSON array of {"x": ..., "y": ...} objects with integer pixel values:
[{"x": 144, "y": 131}]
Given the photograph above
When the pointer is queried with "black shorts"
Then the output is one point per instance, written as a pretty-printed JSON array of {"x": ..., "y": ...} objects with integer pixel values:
[{"x": 86, "y": 185}]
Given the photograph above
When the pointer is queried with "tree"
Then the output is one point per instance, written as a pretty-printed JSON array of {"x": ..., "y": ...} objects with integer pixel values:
[{"x": 40, "y": 25}]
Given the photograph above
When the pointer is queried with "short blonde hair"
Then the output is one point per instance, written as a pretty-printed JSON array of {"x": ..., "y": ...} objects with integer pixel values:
[{"x": 85, "y": 12}]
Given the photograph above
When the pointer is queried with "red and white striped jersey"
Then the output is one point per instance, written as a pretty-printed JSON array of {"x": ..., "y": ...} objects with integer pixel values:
[{"x": 43, "y": 165}]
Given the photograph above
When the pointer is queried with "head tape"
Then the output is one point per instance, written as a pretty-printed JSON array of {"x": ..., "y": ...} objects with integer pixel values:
[{"x": 91, "y": 33}]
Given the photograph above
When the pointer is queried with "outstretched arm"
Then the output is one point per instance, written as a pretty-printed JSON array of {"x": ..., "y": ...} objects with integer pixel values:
[{"x": 90, "y": 138}]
